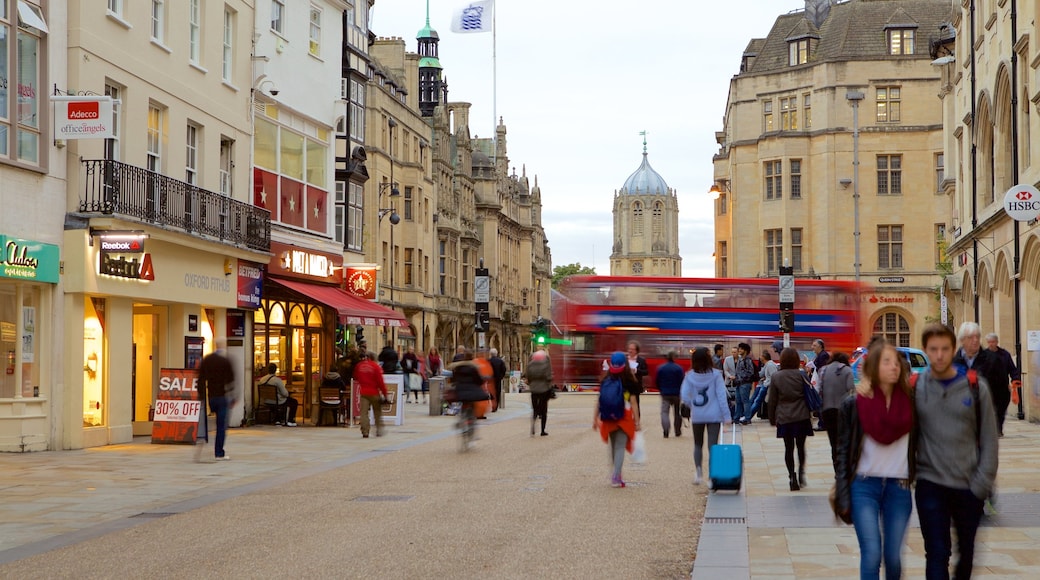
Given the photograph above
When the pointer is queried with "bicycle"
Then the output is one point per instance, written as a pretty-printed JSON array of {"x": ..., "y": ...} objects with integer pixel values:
[{"x": 467, "y": 425}]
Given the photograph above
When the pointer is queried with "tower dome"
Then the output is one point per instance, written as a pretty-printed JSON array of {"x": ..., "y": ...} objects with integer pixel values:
[{"x": 645, "y": 180}]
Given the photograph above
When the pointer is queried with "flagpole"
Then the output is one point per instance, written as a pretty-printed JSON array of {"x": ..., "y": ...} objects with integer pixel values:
[{"x": 494, "y": 85}]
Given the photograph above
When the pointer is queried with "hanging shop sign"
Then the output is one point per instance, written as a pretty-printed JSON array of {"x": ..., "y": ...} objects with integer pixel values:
[
  {"x": 29, "y": 260},
  {"x": 122, "y": 255},
  {"x": 250, "y": 284},
  {"x": 83, "y": 117},
  {"x": 1022, "y": 203},
  {"x": 361, "y": 281}
]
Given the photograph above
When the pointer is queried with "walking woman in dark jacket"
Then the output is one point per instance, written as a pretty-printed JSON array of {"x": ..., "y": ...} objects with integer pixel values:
[
  {"x": 835, "y": 381},
  {"x": 789, "y": 413},
  {"x": 875, "y": 464}
]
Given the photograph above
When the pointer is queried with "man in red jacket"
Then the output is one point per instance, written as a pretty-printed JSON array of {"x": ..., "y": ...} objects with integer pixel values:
[{"x": 371, "y": 391}]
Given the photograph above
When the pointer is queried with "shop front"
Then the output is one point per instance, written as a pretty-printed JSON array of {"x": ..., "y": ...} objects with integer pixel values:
[
  {"x": 29, "y": 271},
  {"x": 147, "y": 301},
  {"x": 303, "y": 309}
]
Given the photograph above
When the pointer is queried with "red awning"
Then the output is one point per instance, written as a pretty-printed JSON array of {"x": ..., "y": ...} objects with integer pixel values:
[{"x": 351, "y": 310}]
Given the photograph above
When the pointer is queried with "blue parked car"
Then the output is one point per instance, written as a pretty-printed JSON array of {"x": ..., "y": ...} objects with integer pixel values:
[{"x": 916, "y": 357}]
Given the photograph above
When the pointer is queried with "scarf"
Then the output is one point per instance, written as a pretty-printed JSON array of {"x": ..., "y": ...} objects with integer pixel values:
[{"x": 885, "y": 425}]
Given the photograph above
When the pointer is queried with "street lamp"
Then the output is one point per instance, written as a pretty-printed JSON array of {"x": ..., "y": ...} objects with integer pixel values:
[
  {"x": 854, "y": 97},
  {"x": 391, "y": 211}
]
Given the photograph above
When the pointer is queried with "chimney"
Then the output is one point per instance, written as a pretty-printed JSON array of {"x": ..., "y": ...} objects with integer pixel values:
[{"x": 817, "y": 11}]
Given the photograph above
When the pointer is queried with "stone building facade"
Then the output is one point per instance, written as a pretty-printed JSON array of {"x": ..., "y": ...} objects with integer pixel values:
[
  {"x": 646, "y": 226},
  {"x": 991, "y": 109},
  {"x": 787, "y": 173}
]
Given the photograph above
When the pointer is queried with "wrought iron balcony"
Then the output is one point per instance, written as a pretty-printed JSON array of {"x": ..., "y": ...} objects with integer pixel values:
[{"x": 135, "y": 193}]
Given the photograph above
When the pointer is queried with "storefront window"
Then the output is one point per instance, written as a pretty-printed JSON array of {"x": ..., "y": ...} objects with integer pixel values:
[
  {"x": 265, "y": 145},
  {"x": 28, "y": 97},
  {"x": 295, "y": 343},
  {"x": 93, "y": 363},
  {"x": 316, "y": 158},
  {"x": 4, "y": 116},
  {"x": 292, "y": 155},
  {"x": 25, "y": 369}
]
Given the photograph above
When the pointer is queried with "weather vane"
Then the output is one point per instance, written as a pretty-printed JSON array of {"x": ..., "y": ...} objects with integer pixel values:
[{"x": 643, "y": 133}]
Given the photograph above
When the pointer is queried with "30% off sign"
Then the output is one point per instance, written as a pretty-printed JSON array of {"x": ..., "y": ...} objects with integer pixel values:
[{"x": 176, "y": 410}]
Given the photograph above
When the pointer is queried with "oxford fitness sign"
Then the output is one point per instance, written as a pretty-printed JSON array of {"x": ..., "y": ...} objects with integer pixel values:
[{"x": 28, "y": 260}]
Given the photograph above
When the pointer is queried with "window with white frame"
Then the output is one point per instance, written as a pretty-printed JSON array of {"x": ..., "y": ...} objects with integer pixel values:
[
  {"x": 340, "y": 221},
  {"x": 227, "y": 57},
  {"x": 796, "y": 249},
  {"x": 774, "y": 250},
  {"x": 888, "y": 104},
  {"x": 890, "y": 247},
  {"x": 798, "y": 51},
  {"x": 191, "y": 155},
  {"x": 315, "y": 31},
  {"x": 278, "y": 16},
  {"x": 153, "y": 141},
  {"x": 112, "y": 143},
  {"x": 889, "y": 174},
  {"x": 194, "y": 31},
  {"x": 23, "y": 36},
  {"x": 355, "y": 215},
  {"x": 789, "y": 113},
  {"x": 158, "y": 20},
  {"x": 115, "y": 7},
  {"x": 900, "y": 41},
  {"x": 796, "y": 179},
  {"x": 357, "y": 110},
  {"x": 227, "y": 162},
  {"x": 774, "y": 174}
]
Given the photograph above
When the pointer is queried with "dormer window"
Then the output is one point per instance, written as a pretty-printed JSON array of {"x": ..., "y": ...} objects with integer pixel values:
[
  {"x": 798, "y": 51},
  {"x": 900, "y": 41}
]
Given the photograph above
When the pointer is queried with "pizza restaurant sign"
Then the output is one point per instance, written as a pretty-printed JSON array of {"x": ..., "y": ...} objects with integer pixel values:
[
  {"x": 304, "y": 262},
  {"x": 361, "y": 281}
]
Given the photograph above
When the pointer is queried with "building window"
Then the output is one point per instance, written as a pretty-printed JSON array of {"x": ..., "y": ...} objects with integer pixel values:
[
  {"x": 940, "y": 244},
  {"x": 355, "y": 214},
  {"x": 893, "y": 328},
  {"x": 357, "y": 110},
  {"x": 194, "y": 31},
  {"x": 774, "y": 179},
  {"x": 443, "y": 267},
  {"x": 637, "y": 267},
  {"x": 22, "y": 77},
  {"x": 227, "y": 162},
  {"x": 227, "y": 58},
  {"x": 888, "y": 104},
  {"x": 798, "y": 51},
  {"x": 796, "y": 249},
  {"x": 153, "y": 141},
  {"x": 112, "y": 143},
  {"x": 774, "y": 250},
  {"x": 637, "y": 219},
  {"x": 796, "y": 179},
  {"x": 408, "y": 258},
  {"x": 158, "y": 20},
  {"x": 408, "y": 202},
  {"x": 722, "y": 203},
  {"x": 940, "y": 171},
  {"x": 723, "y": 260},
  {"x": 466, "y": 272},
  {"x": 116, "y": 7},
  {"x": 807, "y": 110},
  {"x": 767, "y": 115},
  {"x": 278, "y": 16},
  {"x": 789, "y": 113},
  {"x": 191, "y": 155},
  {"x": 340, "y": 219},
  {"x": 889, "y": 174},
  {"x": 890, "y": 247},
  {"x": 658, "y": 219},
  {"x": 901, "y": 41},
  {"x": 315, "y": 31}
]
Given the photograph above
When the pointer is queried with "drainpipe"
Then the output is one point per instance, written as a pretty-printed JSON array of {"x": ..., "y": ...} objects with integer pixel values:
[
  {"x": 974, "y": 172},
  {"x": 1015, "y": 176}
]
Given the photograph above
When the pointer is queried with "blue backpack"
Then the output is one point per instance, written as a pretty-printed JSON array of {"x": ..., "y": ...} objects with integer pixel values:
[{"x": 611, "y": 399}]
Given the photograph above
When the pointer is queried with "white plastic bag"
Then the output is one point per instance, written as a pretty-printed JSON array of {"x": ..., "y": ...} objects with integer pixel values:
[{"x": 639, "y": 448}]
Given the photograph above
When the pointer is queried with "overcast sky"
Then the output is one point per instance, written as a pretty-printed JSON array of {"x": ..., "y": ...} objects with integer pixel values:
[{"x": 577, "y": 82}]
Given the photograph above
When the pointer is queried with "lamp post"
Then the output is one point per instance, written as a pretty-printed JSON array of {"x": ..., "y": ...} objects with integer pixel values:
[
  {"x": 854, "y": 97},
  {"x": 395, "y": 218}
]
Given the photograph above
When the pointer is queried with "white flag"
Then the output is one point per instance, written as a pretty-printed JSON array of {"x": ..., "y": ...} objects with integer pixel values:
[{"x": 475, "y": 17}]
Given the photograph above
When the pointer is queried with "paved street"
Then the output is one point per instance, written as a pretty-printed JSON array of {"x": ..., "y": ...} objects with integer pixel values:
[{"x": 326, "y": 503}]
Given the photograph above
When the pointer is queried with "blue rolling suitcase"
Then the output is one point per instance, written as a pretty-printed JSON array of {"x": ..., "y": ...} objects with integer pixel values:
[{"x": 726, "y": 464}]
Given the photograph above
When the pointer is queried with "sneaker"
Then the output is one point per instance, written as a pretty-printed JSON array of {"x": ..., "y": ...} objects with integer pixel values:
[
  {"x": 290, "y": 424},
  {"x": 616, "y": 482},
  {"x": 224, "y": 458},
  {"x": 699, "y": 479}
]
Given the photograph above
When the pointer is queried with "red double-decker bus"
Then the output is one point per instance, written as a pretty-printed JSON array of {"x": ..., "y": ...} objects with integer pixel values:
[{"x": 601, "y": 314}]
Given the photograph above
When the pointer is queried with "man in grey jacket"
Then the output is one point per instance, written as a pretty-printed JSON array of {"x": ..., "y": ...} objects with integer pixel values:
[{"x": 956, "y": 454}]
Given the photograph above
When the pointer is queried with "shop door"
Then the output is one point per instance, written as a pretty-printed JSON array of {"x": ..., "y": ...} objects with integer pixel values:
[{"x": 145, "y": 368}]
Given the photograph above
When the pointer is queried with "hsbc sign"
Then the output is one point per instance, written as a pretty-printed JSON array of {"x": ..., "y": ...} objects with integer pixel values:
[{"x": 1022, "y": 203}]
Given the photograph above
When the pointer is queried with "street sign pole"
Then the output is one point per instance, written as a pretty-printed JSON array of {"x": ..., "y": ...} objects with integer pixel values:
[
  {"x": 482, "y": 298},
  {"x": 786, "y": 288}
]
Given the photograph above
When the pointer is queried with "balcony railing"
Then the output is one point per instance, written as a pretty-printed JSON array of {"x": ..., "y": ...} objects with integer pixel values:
[{"x": 135, "y": 193}]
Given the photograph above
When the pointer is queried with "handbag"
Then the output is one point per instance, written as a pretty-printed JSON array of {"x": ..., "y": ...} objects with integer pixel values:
[
  {"x": 552, "y": 393},
  {"x": 812, "y": 397},
  {"x": 639, "y": 448},
  {"x": 684, "y": 410}
]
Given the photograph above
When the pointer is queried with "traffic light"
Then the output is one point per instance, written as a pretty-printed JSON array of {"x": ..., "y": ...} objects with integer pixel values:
[
  {"x": 540, "y": 331},
  {"x": 786, "y": 321}
]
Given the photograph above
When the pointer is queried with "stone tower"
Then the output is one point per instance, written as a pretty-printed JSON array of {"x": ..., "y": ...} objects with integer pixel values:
[
  {"x": 429, "y": 68},
  {"x": 646, "y": 226}
]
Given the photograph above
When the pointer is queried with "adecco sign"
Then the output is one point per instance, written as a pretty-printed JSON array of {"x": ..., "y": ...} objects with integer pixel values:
[
  {"x": 82, "y": 117},
  {"x": 1022, "y": 203}
]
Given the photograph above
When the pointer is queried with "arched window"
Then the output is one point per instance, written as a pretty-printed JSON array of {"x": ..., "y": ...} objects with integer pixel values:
[
  {"x": 658, "y": 218},
  {"x": 637, "y": 219},
  {"x": 893, "y": 328}
]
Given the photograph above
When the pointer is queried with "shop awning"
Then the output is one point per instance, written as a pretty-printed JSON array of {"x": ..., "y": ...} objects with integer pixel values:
[{"x": 351, "y": 310}]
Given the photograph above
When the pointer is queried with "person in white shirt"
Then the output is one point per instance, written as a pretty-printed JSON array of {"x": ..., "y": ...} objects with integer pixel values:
[{"x": 284, "y": 399}]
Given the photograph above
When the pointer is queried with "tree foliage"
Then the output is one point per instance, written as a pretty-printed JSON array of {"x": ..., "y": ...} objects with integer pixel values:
[{"x": 561, "y": 272}]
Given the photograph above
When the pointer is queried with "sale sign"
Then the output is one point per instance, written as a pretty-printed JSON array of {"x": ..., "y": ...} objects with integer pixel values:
[{"x": 177, "y": 408}]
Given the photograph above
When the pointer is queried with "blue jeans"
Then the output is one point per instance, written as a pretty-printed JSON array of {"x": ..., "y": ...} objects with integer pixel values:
[
  {"x": 743, "y": 408},
  {"x": 937, "y": 505},
  {"x": 880, "y": 512},
  {"x": 758, "y": 400},
  {"x": 220, "y": 406}
]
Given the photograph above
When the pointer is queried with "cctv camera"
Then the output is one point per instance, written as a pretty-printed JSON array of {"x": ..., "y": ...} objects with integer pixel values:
[{"x": 274, "y": 92}]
